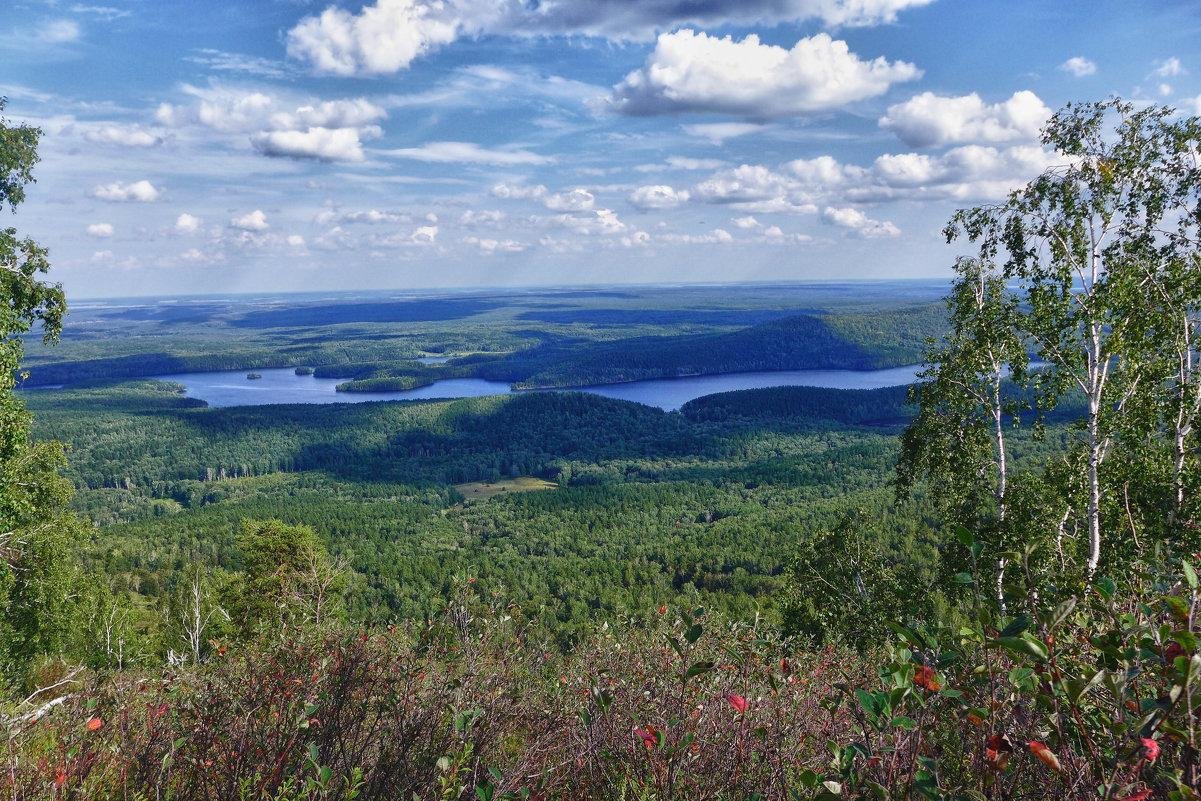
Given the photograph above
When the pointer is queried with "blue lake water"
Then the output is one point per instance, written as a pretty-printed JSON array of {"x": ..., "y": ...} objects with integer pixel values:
[{"x": 284, "y": 386}]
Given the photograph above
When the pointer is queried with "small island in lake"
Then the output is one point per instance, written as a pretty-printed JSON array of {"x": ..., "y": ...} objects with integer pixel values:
[
  {"x": 253, "y": 376},
  {"x": 304, "y": 371}
]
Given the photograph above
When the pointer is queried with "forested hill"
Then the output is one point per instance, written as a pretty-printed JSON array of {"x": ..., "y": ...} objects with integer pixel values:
[
  {"x": 809, "y": 406},
  {"x": 552, "y": 339},
  {"x": 800, "y": 342}
]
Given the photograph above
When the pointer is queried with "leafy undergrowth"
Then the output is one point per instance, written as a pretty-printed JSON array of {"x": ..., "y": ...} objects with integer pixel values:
[{"x": 1093, "y": 698}]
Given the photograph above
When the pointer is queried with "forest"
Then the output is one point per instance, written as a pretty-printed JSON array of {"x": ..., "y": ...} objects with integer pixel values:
[{"x": 983, "y": 585}]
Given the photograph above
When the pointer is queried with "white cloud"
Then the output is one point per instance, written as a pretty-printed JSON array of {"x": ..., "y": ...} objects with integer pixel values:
[
  {"x": 574, "y": 200},
  {"x": 623, "y": 19},
  {"x": 1194, "y": 103},
  {"x": 929, "y": 119},
  {"x": 746, "y": 223},
  {"x": 823, "y": 172},
  {"x": 689, "y": 71},
  {"x": 860, "y": 223},
  {"x": 388, "y": 35},
  {"x": 221, "y": 109},
  {"x": 295, "y": 240},
  {"x": 467, "y": 153},
  {"x": 187, "y": 224},
  {"x": 636, "y": 239},
  {"x": 122, "y": 135},
  {"x": 685, "y": 163},
  {"x": 1079, "y": 66},
  {"x": 193, "y": 255},
  {"x": 222, "y": 61},
  {"x": 719, "y": 132},
  {"x": 485, "y": 218},
  {"x": 369, "y": 217},
  {"x": 744, "y": 184},
  {"x": 658, "y": 197},
  {"x": 424, "y": 235},
  {"x": 519, "y": 191},
  {"x": 1169, "y": 68},
  {"x": 100, "y": 230},
  {"x": 352, "y": 113},
  {"x": 118, "y": 192},
  {"x": 718, "y": 236},
  {"x": 251, "y": 221},
  {"x": 598, "y": 221},
  {"x": 383, "y": 38},
  {"x": 322, "y": 144},
  {"x": 59, "y": 31},
  {"x": 490, "y": 246}
]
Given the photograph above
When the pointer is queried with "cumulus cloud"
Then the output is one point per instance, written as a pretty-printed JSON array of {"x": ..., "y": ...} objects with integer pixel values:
[
  {"x": 332, "y": 130},
  {"x": 573, "y": 200},
  {"x": 519, "y": 191},
  {"x": 598, "y": 221},
  {"x": 187, "y": 224},
  {"x": 352, "y": 113},
  {"x": 658, "y": 197},
  {"x": 118, "y": 192},
  {"x": 424, "y": 235},
  {"x": 251, "y": 221},
  {"x": 322, "y": 144},
  {"x": 121, "y": 135},
  {"x": 719, "y": 132},
  {"x": 1079, "y": 66},
  {"x": 368, "y": 217},
  {"x": 467, "y": 153},
  {"x": 860, "y": 223},
  {"x": 718, "y": 236},
  {"x": 295, "y": 240},
  {"x": 490, "y": 246},
  {"x": 928, "y": 119},
  {"x": 384, "y": 37},
  {"x": 746, "y": 223},
  {"x": 484, "y": 218},
  {"x": 695, "y": 72},
  {"x": 754, "y": 187},
  {"x": 388, "y": 35},
  {"x": 100, "y": 230}
]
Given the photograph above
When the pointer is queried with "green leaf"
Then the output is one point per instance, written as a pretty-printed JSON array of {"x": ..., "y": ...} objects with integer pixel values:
[
  {"x": 694, "y": 633},
  {"x": 1190, "y": 575},
  {"x": 1019, "y": 625},
  {"x": 903, "y": 722},
  {"x": 1023, "y": 646},
  {"x": 698, "y": 669}
]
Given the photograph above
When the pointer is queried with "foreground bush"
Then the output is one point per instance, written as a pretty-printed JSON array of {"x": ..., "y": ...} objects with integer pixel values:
[
  {"x": 458, "y": 709},
  {"x": 1091, "y": 698}
]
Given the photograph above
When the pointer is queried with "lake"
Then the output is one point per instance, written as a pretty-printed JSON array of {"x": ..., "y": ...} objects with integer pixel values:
[{"x": 284, "y": 386}]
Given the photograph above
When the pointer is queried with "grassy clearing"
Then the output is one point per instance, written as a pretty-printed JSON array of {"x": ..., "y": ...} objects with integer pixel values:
[{"x": 483, "y": 490}]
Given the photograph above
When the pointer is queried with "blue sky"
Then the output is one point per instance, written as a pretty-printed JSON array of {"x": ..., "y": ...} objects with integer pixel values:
[{"x": 289, "y": 145}]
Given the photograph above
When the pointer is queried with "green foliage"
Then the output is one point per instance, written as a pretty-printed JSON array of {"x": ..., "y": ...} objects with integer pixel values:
[
  {"x": 287, "y": 580},
  {"x": 36, "y": 573}
]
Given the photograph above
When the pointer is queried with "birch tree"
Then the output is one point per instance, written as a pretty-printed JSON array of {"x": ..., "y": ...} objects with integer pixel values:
[{"x": 1079, "y": 246}]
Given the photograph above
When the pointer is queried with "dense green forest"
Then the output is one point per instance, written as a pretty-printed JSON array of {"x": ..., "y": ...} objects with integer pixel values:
[{"x": 550, "y": 338}]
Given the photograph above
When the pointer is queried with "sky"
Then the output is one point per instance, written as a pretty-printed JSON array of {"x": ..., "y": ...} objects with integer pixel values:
[{"x": 283, "y": 145}]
